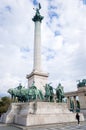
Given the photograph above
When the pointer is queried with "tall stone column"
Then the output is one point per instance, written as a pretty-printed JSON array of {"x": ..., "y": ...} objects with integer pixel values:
[
  {"x": 37, "y": 43},
  {"x": 74, "y": 103},
  {"x": 37, "y": 76}
]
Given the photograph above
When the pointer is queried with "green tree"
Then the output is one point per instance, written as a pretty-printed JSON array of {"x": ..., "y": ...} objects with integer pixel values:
[{"x": 4, "y": 104}]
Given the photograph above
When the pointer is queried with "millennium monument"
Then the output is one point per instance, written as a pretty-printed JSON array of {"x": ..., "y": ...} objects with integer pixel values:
[
  {"x": 37, "y": 76},
  {"x": 38, "y": 105}
]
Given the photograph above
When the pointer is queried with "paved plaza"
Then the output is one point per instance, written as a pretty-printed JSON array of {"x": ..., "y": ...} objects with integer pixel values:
[
  {"x": 67, "y": 126},
  {"x": 5, "y": 127}
]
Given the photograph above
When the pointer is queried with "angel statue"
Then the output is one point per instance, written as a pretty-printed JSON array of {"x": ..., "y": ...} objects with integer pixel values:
[
  {"x": 37, "y": 16},
  {"x": 37, "y": 9}
]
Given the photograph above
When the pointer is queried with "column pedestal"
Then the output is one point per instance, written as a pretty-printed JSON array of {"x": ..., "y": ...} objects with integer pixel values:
[{"x": 39, "y": 78}]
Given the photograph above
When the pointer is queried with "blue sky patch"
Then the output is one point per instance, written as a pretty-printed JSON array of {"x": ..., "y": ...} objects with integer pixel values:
[
  {"x": 51, "y": 53},
  {"x": 50, "y": 50},
  {"x": 57, "y": 33},
  {"x": 8, "y": 8},
  {"x": 24, "y": 49},
  {"x": 84, "y": 2},
  {"x": 35, "y": 2},
  {"x": 49, "y": 57},
  {"x": 52, "y": 7},
  {"x": 59, "y": 25},
  {"x": 53, "y": 14}
]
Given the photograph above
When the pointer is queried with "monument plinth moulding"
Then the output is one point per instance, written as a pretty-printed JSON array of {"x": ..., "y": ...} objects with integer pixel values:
[{"x": 37, "y": 75}]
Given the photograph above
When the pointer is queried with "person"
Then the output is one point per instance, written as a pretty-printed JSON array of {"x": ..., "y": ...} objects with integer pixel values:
[{"x": 78, "y": 118}]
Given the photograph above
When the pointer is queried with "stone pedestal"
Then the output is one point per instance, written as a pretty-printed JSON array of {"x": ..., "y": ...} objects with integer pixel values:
[
  {"x": 39, "y": 113},
  {"x": 40, "y": 79}
]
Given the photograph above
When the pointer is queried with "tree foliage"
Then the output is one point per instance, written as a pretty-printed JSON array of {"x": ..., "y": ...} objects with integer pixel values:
[{"x": 4, "y": 104}]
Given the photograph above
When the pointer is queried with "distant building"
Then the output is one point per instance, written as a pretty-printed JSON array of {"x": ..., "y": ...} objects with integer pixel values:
[{"x": 77, "y": 98}]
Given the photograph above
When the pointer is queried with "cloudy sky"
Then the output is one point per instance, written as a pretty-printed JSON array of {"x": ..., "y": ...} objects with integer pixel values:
[{"x": 63, "y": 33}]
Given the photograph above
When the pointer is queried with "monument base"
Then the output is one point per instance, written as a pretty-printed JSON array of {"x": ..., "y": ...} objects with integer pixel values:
[
  {"x": 39, "y": 78},
  {"x": 39, "y": 113}
]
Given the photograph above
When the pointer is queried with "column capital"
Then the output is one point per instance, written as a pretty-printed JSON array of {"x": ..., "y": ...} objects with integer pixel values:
[{"x": 37, "y": 17}]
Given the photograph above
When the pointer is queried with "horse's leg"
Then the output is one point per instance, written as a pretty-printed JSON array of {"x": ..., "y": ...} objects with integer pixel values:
[
  {"x": 40, "y": 96},
  {"x": 49, "y": 98}
]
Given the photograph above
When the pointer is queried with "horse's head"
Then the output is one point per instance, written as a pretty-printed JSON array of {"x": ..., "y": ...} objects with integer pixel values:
[{"x": 10, "y": 91}]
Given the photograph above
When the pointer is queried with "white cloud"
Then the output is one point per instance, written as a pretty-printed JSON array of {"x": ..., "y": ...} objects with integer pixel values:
[{"x": 63, "y": 42}]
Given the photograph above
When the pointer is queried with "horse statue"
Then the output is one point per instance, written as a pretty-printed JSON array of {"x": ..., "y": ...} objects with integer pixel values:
[
  {"x": 81, "y": 83},
  {"x": 12, "y": 92},
  {"x": 49, "y": 94},
  {"x": 34, "y": 93},
  {"x": 20, "y": 92},
  {"x": 59, "y": 93},
  {"x": 26, "y": 94}
]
